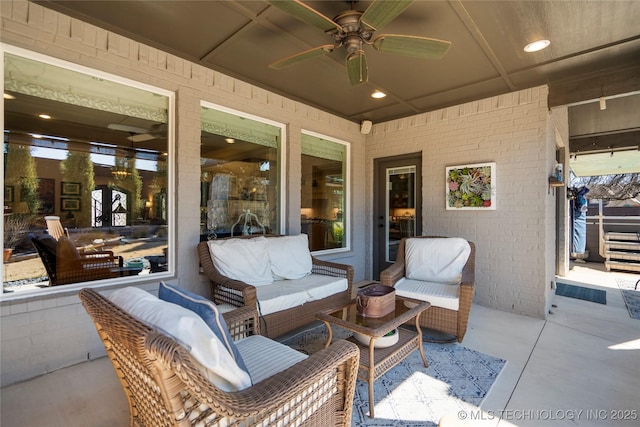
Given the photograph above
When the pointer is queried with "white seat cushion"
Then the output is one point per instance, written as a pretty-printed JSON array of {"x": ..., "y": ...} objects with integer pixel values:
[
  {"x": 190, "y": 331},
  {"x": 438, "y": 294},
  {"x": 285, "y": 294},
  {"x": 439, "y": 260},
  {"x": 246, "y": 260},
  {"x": 265, "y": 357},
  {"x": 290, "y": 257}
]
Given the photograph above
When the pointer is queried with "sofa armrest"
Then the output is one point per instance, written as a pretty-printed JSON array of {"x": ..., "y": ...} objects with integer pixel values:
[
  {"x": 225, "y": 290},
  {"x": 329, "y": 268},
  {"x": 469, "y": 270},
  {"x": 242, "y": 322},
  {"x": 392, "y": 274}
]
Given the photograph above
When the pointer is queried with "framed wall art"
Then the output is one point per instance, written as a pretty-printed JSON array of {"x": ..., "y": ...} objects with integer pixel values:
[
  {"x": 69, "y": 204},
  {"x": 471, "y": 187},
  {"x": 70, "y": 188}
]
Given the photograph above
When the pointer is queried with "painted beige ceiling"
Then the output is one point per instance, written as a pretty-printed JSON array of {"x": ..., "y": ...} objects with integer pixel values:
[
  {"x": 595, "y": 49},
  {"x": 594, "y": 52}
]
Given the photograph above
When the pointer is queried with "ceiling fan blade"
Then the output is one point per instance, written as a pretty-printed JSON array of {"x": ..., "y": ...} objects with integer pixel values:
[
  {"x": 126, "y": 128},
  {"x": 306, "y": 14},
  {"x": 415, "y": 46},
  {"x": 381, "y": 12},
  {"x": 357, "y": 68},
  {"x": 307, "y": 54},
  {"x": 141, "y": 137}
]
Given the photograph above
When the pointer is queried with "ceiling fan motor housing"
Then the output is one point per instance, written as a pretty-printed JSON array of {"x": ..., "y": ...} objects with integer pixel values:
[{"x": 351, "y": 35}]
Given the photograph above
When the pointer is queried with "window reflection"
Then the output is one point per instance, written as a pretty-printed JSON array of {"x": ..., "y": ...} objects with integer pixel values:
[
  {"x": 401, "y": 207},
  {"x": 323, "y": 192},
  {"x": 97, "y": 167},
  {"x": 240, "y": 175}
]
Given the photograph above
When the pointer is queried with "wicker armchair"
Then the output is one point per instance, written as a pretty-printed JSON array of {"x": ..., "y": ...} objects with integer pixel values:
[
  {"x": 437, "y": 318},
  {"x": 164, "y": 387},
  {"x": 64, "y": 264},
  {"x": 56, "y": 230},
  {"x": 225, "y": 290}
]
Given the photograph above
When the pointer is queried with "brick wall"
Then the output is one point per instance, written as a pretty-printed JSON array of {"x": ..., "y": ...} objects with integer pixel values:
[{"x": 515, "y": 243}]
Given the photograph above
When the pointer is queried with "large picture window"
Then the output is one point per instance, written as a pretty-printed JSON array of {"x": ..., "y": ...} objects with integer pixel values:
[
  {"x": 241, "y": 174},
  {"x": 87, "y": 165},
  {"x": 324, "y": 188}
]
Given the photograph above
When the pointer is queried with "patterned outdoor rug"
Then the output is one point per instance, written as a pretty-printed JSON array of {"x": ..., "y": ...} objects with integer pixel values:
[
  {"x": 410, "y": 394},
  {"x": 631, "y": 297},
  {"x": 581, "y": 292}
]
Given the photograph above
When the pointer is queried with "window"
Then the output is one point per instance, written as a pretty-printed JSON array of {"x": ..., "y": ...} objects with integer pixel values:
[
  {"x": 241, "y": 177},
  {"x": 324, "y": 191},
  {"x": 87, "y": 152}
]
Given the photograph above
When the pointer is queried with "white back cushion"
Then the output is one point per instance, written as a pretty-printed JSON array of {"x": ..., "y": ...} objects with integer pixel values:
[
  {"x": 190, "y": 331},
  {"x": 439, "y": 260},
  {"x": 246, "y": 260},
  {"x": 290, "y": 256}
]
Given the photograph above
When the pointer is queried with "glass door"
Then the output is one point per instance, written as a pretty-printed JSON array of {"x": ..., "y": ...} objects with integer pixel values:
[
  {"x": 400, "y": 214},
  {"x": 397, "y": 206}
]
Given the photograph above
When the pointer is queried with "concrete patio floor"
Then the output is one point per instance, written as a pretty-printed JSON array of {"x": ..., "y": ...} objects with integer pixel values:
[{"x": 581, "y": 366}]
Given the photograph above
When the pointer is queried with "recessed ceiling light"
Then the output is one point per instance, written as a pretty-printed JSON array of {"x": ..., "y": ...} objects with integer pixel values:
[
  {"x": 536, "y": 45},
  {"x": 230, "y": 140},
  {"x": 378, "y": 94},
  {"x": 9, "y": 96},
  {"x": 44, "y": 116}
]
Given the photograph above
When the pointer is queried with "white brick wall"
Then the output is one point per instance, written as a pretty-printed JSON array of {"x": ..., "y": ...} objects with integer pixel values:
[
  {"x": 47, "y": 332},
  {"x": 515, "y": 243}
]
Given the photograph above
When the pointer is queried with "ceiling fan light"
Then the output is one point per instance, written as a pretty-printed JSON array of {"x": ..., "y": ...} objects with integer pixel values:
[
  {"x": 44, "y": 116},
  {"x": 377, "y": 94},
  {"x": 229, "y": 140},
  {"x": 537, "y": 46},
  {"x": 8, "y": 96}
]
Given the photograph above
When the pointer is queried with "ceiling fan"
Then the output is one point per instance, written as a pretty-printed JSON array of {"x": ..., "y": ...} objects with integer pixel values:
[
  {"x": 353, "y": 29},
  {"x": 138, "y": 134}
]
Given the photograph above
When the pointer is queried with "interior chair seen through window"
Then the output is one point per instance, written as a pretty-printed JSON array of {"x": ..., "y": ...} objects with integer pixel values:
[
  {"x": 54, "y": 227},
  {"x": 64, "y": 264},
  {"x": 56, "y": 230}
]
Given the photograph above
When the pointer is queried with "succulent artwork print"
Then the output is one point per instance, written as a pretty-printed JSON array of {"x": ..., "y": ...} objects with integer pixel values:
[{"x": 469, "y": 187}]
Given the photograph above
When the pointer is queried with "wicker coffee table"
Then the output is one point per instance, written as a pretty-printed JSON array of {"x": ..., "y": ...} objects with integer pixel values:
[{"x": 374, "y": 362}]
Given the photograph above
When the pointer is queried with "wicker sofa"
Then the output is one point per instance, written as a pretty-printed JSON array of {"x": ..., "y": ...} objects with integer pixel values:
[
  {"x": 440, "y": 316},
  {"x": 237, "y": 293},
  {"x": 165, "y": 386}
]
